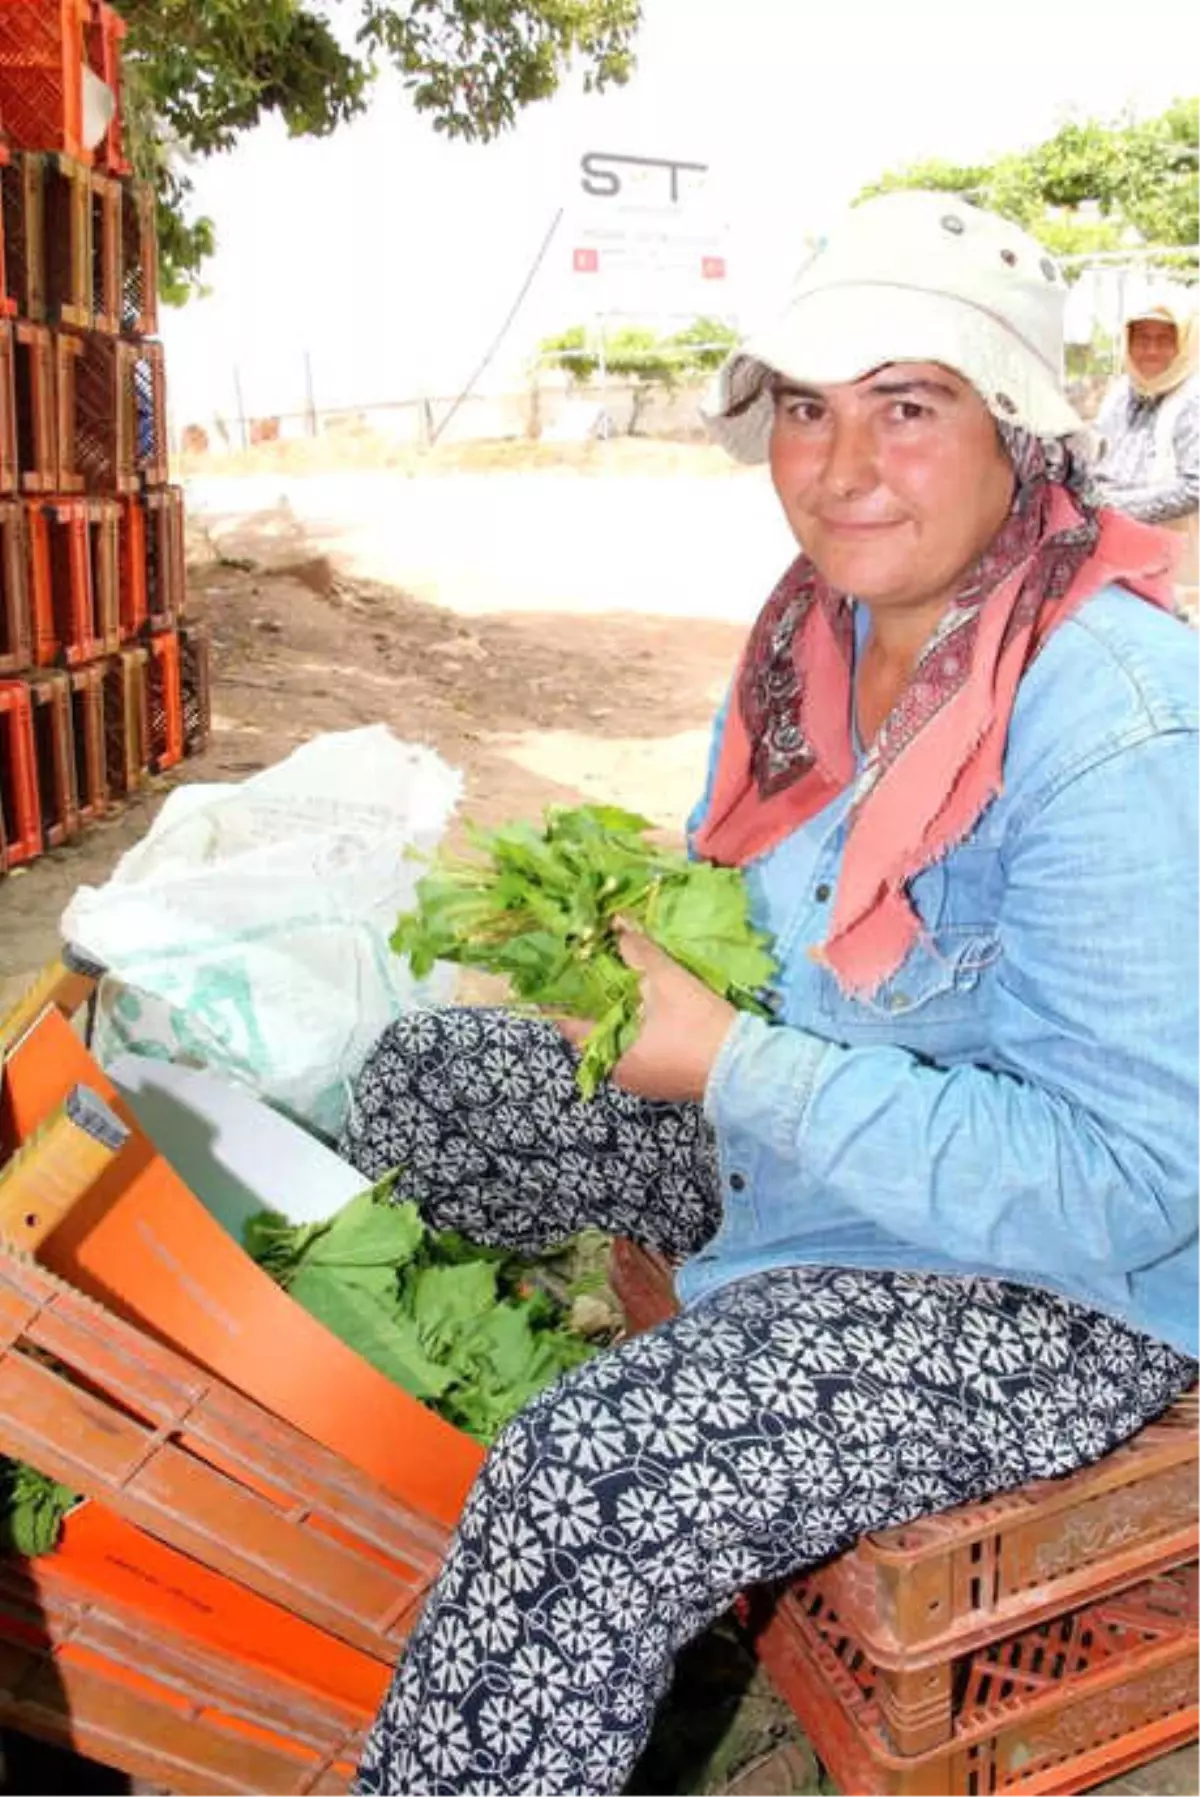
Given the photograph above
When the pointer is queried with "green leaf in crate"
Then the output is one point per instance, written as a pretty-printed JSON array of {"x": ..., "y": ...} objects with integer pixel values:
[{"x": 378, "y": 1331}]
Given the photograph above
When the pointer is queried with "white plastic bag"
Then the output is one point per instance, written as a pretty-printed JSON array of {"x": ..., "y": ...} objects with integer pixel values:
[{"x": 248, "y": 931}]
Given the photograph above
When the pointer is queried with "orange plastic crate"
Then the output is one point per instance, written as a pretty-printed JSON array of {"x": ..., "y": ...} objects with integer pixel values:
[
  {"x": 196, "y": 684},
  {"x": 1050, "y": 1709},
  {"x": 99, "y": 419},
  {"x": 8, "y": 299},
  {"x": 145, "y": 1243},
  {"x": 103, "y": 526},
  {"x": 189, "y": 1462},
  {"x": 104, "y": 35},
  {"x": 165, "y": 572},
  {"x": 22, "y": 179},
  {"x": 918, "y": 1595},
  {"x": 34, "y": 391},
  {"x": 62, "y": 601},
  {"x": 22, "y": 818},
  {"x": 68, "y": 242},
  {"x": 139, "y": 260},
  {"x": 131, "y": 537},
  {"x": 164, "y": 702},
  {"x": 83, "y": 1669},
  {"x": 107, "y": 227},
  {"x": 16, "y": 644},
  {"x": 66, "y": 351},
  {"x": 54, "y": 743},
  {"x": 126, "y": 722},
  {"x": 9, "y": 466},
  {"x": 150, "y": 412},
  {"x": 87, "y": 729},
  {"x": 42, "y": 52}
]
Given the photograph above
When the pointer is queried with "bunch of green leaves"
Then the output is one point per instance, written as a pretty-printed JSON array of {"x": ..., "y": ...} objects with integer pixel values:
[
  {"x": 541, "y": 908},
  {"x": 32, "y": 1508},
  {"x": 461, "y": 1327}
]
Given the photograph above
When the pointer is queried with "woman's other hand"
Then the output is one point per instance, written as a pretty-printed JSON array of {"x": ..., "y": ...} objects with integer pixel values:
[{"x": 683, "y": 1026}]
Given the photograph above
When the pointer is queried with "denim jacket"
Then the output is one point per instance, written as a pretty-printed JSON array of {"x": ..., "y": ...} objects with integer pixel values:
[{"x": 1019, "y": 1099}]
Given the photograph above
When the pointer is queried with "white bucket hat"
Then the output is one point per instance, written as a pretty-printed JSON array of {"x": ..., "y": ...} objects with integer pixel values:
[{"x": 911, "y": 277}]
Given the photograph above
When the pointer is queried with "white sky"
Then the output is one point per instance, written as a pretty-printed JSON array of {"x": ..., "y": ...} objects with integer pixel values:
[{"x": 391, "y": 256}]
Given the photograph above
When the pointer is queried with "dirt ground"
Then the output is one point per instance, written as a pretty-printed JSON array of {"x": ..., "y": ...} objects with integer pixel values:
[{"x": 533, "y": 708}]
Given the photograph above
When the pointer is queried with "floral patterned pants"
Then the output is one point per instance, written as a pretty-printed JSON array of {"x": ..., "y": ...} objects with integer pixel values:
[{"x": 759, "y": 1432}]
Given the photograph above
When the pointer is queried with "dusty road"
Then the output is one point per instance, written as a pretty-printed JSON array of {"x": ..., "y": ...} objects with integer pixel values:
[
  {"x": 681, "y": 546},
  {"x": 555, "y": 635}
]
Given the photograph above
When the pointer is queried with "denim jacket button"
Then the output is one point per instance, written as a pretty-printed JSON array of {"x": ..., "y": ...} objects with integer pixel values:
[
  {"x": 822, "y": 893},
  {"x": 737, "y": 1182},
  {"x": 899, "y": 1001}
]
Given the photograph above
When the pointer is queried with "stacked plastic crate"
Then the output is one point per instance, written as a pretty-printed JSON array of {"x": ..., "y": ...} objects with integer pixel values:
[
  {"x": 1042, "y": 1641},
  {"x": 264, "y": 1512},
  {"x": 102, "y": 682}
]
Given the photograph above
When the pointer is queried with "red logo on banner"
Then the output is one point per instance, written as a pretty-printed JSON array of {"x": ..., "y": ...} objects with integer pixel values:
[
  {"x": 712, "y": 268},
  {"x": 585, "y": 262}
]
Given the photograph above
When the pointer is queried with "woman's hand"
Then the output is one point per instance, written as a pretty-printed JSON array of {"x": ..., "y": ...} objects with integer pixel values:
[{"x": 683, "y": 1026}]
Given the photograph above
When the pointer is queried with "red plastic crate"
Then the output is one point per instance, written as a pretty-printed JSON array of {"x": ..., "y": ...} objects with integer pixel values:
[
  {"x": 54, "y": 743},
  {"x": 33, "y": 388},
  {"x": 139, "y": 260},
  {"x": 164, "y": 702},
  {"x": 106, "y": 246},
  {"x": 126, "y": 722},
  {"x": 99, "y": 419},
  {"x": 103, "y": 516},
  {"x": 1051, "y": 1709},
  {"x": 87, "y": 729},
  {"x": 196, "y": 685},
  {"x": 42, "y": 51},
  {"x": 9, "y": 475},
  {"x": 22, "y": 819},
  {"x": 22, "y": 178},
  {"x": 165, "y": 571},
  {"x": 104, "y": 36},
  {"x": 16, "y": 643},
  {"x": 68, "y": 242}
]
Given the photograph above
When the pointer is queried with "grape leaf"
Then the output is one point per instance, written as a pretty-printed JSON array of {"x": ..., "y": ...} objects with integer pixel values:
[
  {"x": 379, "y": 1332},
  {"x": 541, "y": 910}
]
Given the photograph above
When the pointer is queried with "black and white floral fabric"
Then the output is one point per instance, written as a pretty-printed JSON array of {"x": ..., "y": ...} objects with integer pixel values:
[
  {"x": 480, "y": 1110},
  {"x": 759, "y": 1432}
]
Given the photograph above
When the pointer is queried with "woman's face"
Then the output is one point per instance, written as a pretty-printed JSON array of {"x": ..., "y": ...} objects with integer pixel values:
[
  {"x": 1153, "y": 345},
  {"x": 894, "y": 483}
]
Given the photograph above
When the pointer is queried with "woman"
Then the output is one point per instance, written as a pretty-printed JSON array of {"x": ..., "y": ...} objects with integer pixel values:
[
  {"x": 1149, "y": 428},
  {"x": 938, "y": 1216}
]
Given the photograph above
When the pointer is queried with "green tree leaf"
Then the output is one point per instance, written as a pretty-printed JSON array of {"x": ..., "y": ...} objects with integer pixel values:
[
  {"x": 199, "y": 73},
  {"x": 1092, "y": 186}
]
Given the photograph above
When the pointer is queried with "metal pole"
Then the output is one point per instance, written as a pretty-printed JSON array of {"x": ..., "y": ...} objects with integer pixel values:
[
  {"x": 310, "y": 404},
  {"x": 603, "y": 372},
  {"x": 241, "y": 405}
]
